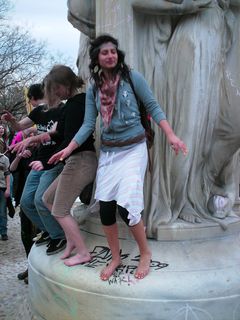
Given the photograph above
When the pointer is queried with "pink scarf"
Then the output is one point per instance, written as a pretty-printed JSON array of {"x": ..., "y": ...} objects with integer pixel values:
[{"x": 108, "y": 93}]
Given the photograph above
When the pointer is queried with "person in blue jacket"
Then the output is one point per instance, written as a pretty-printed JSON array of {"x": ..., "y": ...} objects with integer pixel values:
[{"x": 123, "y": 156}]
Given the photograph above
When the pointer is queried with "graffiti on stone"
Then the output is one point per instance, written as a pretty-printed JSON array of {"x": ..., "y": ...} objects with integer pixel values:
[{"x": 124, "y": 274}]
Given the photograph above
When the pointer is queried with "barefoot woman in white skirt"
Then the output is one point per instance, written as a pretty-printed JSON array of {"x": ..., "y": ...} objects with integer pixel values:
[{"x": 123, "y": 156}]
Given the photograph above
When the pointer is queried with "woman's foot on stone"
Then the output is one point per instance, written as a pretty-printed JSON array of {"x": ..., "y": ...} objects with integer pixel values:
[
  {"x": 77, "y": 259},
  {"x": 67, "y": 252},
  {"x": 143, "y": 266},
  {"x": 108, "y": 271}
]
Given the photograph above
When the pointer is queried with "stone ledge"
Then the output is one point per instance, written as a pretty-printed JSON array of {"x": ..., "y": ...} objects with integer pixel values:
[
  {"x": 192, "y": 277},
  {"x": 177, "y": 231}
]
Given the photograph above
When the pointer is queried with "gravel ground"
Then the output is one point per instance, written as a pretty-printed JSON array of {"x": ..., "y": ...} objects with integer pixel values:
[{"x": 14, "y": 296}]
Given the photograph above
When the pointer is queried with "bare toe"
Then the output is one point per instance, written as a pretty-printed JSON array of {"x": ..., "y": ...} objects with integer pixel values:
[
  {"x": 143, "y": 267},
  {"x": 77, "y": 259},
  {"x": 108, "y": 271},
  {"x": 141, "y": 274},
  {"x": 67, "y": 252}
]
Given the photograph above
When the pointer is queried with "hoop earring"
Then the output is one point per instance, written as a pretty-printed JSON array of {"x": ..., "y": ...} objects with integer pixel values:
[
  {"x": 95, "y": 69},
  {"x": 100, "y": 72}
]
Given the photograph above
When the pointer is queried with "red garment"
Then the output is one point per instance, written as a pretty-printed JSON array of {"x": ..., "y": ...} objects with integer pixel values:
[{"x": 108, "y": 93}]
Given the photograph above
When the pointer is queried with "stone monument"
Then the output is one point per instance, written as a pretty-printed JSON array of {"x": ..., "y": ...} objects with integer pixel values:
[{"x": 189, "y": 53}]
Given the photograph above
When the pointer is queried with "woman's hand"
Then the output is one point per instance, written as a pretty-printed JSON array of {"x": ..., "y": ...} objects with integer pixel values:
[
  {"x": 43, "y": 138},
  {"x": 31, "y": 141},
  {"x": 60, "y": 156},
  {"x": 177, "y": 144},
  {"x": 20, "y": 147},
  {"x": 25, "y": 154},
  {"x": 36, "y": 165},
  {"x": 64, "y": 153}
]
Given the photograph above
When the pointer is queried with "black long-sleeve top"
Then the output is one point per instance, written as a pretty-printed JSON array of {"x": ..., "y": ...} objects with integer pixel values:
[
  {"x": 69, "y": 124},
  {"x": 44, "y": 118}
]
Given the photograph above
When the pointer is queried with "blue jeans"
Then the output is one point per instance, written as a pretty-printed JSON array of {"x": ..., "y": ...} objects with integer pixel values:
[
  {"x": 32, "y": 204},
  {"x": 3, "y": 213}
]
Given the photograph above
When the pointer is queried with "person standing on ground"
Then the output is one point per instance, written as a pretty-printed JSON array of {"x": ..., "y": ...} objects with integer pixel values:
[
  {"x": 44, "y": 115},
  {"x": 20, "y": 169}
]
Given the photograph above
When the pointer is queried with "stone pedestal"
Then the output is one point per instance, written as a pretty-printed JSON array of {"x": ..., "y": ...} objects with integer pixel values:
[{"x": 195, "y": 274}]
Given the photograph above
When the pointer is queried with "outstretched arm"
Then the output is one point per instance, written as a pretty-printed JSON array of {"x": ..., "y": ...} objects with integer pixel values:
[
  {"x": 64, "y": 153},
  {"x": 16, "y": 125},
  {"x": 169, "y": 7},
  {"x": 23, "y": 145},
  {"x": 83, "y": 133}
]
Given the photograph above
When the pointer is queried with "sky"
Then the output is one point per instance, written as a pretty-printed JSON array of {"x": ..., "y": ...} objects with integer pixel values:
[{"x": 47, "y": 21}]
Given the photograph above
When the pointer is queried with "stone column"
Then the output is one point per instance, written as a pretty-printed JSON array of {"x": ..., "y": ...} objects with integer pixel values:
[{"x": 116, "y": 17}]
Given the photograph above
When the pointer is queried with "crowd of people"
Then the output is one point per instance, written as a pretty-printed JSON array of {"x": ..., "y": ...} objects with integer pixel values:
[{"x": 54, "y": 148}]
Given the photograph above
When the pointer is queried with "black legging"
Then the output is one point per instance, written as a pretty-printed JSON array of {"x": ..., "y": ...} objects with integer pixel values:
[
  {"x": 28, "y": 232},
  {"x": 108, "y": 213}
]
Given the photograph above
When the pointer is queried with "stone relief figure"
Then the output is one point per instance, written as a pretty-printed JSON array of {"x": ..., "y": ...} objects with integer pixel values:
[
  {"x": 81, "y": 14},
  {"x": 220, "y": 171},
  {"x": 192, "y": 73},
  {"x": 193, "y": 68},
  {"x": 198, "y": 62}
]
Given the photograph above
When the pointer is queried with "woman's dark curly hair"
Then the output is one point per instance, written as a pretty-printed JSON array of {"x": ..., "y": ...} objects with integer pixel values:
[{"x": 94, "y": 50}]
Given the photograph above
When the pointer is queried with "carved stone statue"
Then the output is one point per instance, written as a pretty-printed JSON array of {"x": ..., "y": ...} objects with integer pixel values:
[
  {"x": 221, "y": 166},
  {"x": 190, "y": 77},
  {"x": 193, "y": 73},
  {"x": 188, "y": 52},
  {"x": 81, "y": 14}
]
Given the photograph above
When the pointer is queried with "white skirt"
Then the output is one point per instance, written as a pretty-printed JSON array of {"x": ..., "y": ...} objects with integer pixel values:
[{"x": 120, "y": 177}]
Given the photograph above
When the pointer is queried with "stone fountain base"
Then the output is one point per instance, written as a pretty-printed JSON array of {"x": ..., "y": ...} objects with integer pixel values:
[{"x": 195, "y": 274}]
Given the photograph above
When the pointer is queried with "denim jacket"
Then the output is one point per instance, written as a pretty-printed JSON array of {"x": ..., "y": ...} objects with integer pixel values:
[{"x": 126, "y": 120}]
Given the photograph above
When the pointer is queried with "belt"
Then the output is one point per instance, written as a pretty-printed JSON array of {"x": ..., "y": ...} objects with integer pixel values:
[{"x": 123, "y": 143}]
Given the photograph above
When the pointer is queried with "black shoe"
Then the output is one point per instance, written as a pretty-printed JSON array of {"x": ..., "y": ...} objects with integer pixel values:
[
  {"x": 23, "y": 275},
  {"x": 26, "y": 280},
  {"x": 44, "y": 239},
  {"x": 55, "y": 246},
  {"x": 4, "y": 237}
]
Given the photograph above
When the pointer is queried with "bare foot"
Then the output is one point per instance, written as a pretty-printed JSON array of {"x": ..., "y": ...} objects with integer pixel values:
[
  {"x": 77, "y": 259},
  {"x": 108, "y": 271},
  {"x": 67, "y": 252},
  {"x": 143, "y": 266}
]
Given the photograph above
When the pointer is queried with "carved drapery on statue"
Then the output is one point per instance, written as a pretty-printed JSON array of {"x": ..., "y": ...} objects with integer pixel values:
[
  {"x": 188, "y": 53},
  {"x": 190, "y": 94}
]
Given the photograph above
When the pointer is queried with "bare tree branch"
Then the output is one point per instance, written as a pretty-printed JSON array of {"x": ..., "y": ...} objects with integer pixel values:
[{"x": 23, "y": 61}]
